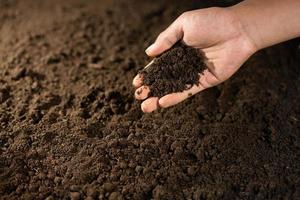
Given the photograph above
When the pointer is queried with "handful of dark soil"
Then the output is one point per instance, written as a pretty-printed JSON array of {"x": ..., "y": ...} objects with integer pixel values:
[{"x": 176, "y": 70}]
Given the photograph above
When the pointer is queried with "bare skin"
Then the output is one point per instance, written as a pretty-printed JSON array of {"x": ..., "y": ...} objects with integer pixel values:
[{"x": 227, "y": 37}]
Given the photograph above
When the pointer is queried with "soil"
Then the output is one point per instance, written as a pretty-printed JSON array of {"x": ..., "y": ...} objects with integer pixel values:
[
  {"x": 176, "y": 70},
  {"x": 71, "y": 129}
]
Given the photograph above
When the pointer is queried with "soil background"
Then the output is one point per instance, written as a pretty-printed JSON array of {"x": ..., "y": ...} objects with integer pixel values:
[{"x": 71, "y": 129}]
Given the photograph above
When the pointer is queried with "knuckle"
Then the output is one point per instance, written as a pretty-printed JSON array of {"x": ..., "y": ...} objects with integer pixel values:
[
  {"x": 186, "y": 16},
  {"x": 164, "y": 39},
  {"x": 144, "y": 108},
  {"x": 161, "y": 36},
  {"x": 162, "y": 103}
]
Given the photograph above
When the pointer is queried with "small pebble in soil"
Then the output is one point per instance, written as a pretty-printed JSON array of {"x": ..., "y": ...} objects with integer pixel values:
[
  {"x": 75, "y": 195},
  {"x": 176, "y": 70},
  {"x": 4, "y": 93},
  {"x": 115, "y": 196},
  {"x": 50, "y": 198},
  {"x": 18, "y": 73},
  {"x": 74, "y": 188},
  {"x": 108, "y": 187}
]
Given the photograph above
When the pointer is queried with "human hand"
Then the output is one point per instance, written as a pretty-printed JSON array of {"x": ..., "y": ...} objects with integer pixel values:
[{"x": 218, "y": 34}]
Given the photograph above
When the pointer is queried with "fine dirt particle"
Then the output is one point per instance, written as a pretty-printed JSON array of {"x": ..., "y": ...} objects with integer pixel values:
[
  {"x": 108, "y": 187},
  {"x": 4, "y": 93},
  {"x": 159, "y": 192},
  {"x": 75, "y": 195},
  {"x": 176, "y": 70},
  {"x": 115, "y": 196},
  {"x": 18, "y": 73}
]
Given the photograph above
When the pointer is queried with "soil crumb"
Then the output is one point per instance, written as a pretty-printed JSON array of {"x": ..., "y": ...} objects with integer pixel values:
[{"x": 174, "y": 71}]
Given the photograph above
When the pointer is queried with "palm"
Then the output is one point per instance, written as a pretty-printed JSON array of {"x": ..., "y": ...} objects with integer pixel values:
[
  {"x": 220, "y": 40},
  {"x": 222, "y": 62}
]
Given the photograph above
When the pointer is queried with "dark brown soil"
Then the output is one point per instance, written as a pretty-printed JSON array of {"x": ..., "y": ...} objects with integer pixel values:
[
  {"x": 176, "y": 70},
  {"x": 71, "y": 129}
]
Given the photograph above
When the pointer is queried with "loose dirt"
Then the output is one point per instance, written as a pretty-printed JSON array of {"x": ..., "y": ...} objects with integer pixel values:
[
  {"x": 176, "y": 70},
  {"x": 71, "y": 129}
]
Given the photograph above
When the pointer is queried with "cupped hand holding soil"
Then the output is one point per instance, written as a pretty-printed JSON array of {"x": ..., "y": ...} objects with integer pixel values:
[
  {"x": 176, "y": 70},
  {"x": 216, "y": 34}
]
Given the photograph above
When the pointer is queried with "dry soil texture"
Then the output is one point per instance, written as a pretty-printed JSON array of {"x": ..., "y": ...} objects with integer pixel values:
[{"x": 71, "y": 129}]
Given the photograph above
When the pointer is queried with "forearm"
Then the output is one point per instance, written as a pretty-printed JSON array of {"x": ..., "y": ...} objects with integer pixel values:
[{"x": 268, "y": 22}]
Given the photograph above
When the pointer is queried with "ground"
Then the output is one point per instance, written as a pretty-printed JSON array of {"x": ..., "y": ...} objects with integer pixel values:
[{"x": 71, "y": 129}]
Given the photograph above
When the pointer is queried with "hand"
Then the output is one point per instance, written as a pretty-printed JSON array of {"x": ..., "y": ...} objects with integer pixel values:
[{"x": 218, "y": 34}]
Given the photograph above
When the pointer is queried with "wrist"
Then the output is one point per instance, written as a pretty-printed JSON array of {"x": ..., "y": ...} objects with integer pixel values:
[{"x": 247, "y": 29}]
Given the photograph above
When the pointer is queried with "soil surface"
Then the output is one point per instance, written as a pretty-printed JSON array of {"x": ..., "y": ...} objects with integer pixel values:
[
  {"x": 176, "y": 70},
  {"x": 71, "y": 129}
]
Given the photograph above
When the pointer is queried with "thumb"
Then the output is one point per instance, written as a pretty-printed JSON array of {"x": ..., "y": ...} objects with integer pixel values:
[{"x": 166, "y": 39}]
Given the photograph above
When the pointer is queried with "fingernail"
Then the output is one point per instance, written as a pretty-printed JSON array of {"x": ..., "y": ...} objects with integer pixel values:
[
  {"x": 149, "y": 48},
  {"x": 138, "y": 92}
]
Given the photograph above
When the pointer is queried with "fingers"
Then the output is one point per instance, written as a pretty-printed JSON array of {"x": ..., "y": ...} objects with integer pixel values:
[
  {"x": 153, "y": 103},
  {"x": 137, "y": 81},
  {"x": 175, "y": 98},
  {"x": 166, "y": 39},
  {"x": 150, "y": 105},
  {"x": 207, "y": 79},
  {"x": 142, "y": 93}
]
